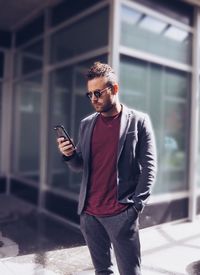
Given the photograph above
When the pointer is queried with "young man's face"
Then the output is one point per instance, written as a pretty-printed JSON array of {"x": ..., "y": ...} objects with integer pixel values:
[{"x": 107, "y": 100}]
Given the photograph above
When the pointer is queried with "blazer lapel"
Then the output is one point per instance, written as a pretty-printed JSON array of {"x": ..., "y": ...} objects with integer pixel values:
[
  {"x": 124, "y": 125},
  {"x": 89, "y": 136}
]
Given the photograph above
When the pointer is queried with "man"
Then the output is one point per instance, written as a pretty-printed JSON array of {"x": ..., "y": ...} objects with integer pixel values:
[{"x": 116, "y": 152}]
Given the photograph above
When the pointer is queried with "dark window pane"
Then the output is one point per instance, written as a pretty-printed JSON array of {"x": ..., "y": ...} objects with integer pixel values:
[
  {"x": 77, "y": 39},
  {"x": 0, "y": 112},
  {"x": 31, "y": 30},
  {"x": 69, "y": 8},
  {"x": 29, "y": 59},
  {"x": 1, "y": 64},
  {"x": 5, "y": 39}
]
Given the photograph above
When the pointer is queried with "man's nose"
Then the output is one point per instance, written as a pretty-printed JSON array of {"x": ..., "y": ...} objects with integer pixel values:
[{"x": 94, "y": 98}]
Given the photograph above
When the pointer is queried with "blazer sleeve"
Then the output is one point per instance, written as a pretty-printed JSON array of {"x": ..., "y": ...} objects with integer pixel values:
[
  {"x": 147, "y": 158},
  {"x": 75, "y": 162}
]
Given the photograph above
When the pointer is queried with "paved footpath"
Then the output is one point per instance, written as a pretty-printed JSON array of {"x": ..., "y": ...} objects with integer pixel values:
[{"x": 169, "y": 249}]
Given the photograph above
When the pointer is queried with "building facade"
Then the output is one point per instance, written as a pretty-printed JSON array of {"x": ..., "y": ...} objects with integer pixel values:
[{"x": 154, "y": 48}]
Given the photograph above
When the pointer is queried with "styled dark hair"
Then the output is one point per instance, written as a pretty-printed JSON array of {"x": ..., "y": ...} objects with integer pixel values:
[{"x": 99, "y": 69}]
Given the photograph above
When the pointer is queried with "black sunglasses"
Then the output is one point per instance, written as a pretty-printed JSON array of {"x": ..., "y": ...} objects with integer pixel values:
[{"x": 97, "y": 93}]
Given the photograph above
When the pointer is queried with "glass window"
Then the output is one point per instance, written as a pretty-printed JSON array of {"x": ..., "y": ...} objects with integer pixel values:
[
  {"x": 198, "y": 170},
  {"x": 30, "y": 31},
  {"x": 176, "y": 9},
  {"x": 29, "y": 59},
  {"x": 1, "y": 64},
  {"x": 77, "y": 39},
  {"x": 26, "y": 161},
  {"x": 143, "y": 32},
  {"x": 163, "y": 94},
  {"x": 5, "y": 39},
  {"x": 68, "y": 105},
  {"x": 0, "y": 117},
  {"x": 67, "y": 9}
]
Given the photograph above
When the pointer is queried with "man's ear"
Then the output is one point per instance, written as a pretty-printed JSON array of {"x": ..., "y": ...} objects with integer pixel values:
[{"x": 115, "y": 88}]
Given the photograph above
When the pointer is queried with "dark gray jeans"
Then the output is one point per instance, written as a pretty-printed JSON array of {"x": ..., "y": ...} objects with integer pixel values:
[{"x": 122, "y": 231}]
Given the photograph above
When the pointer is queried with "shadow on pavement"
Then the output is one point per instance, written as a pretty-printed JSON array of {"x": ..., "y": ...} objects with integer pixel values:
[
  {"x": 193, "y": 268},
  {"x": 35, "y": 233}
]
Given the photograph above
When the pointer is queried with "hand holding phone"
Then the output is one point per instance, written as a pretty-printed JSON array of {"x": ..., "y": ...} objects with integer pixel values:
[
  {"x": 61, "y": 132},
  {"x": 66, "y": 146}
]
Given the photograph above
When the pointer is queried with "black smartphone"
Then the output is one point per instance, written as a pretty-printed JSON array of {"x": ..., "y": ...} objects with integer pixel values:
[{"x": 61, "y": 132}]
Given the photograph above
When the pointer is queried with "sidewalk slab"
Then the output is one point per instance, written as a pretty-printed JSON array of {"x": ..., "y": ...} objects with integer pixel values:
[
  {"x": 4, "y": 270},
  {"x": 170, "y": 249},
  {"x": 32, "y": 244},
  {"x": 28, "y": 269}
]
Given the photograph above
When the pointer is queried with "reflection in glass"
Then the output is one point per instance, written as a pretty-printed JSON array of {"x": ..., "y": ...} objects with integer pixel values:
[
  {"x": 151, "y": 24},
  {"x": 131, "y": 17},
  {"x": 162, "y": 93},
  {"x": 26, "y": 161},
  {"x": 76, "y": 39},
  {"x": 29, "y": 59},
  {"x": 152, "y": 35},
  {"x": 176, "y": 34},
  {"x": 68, "y": 105},
  {"x": 180, "y": 11}
]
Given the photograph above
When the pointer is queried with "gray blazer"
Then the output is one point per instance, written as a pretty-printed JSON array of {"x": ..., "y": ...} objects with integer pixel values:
[{"x": 136, "y": 161}]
